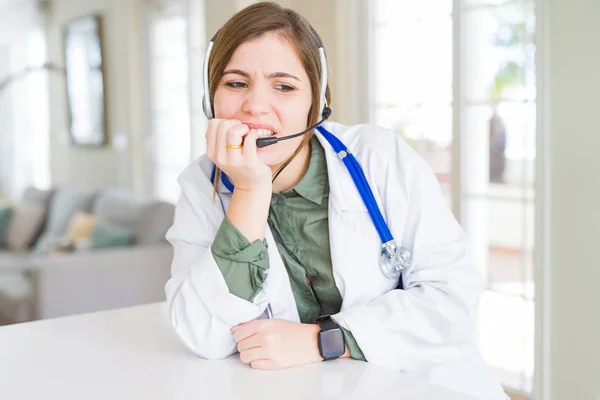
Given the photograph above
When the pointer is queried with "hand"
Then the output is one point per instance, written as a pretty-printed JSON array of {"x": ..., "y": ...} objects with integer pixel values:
[
  {"x": 242, "y": 166},
  {"x": 277, "y": 344}
]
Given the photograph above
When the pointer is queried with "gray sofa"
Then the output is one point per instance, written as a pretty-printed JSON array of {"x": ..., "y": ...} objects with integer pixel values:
[{"x": 37, "y": 286}]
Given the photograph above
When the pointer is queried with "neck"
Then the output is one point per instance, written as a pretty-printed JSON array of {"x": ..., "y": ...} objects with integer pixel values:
[{"x": 293, "y": 173}]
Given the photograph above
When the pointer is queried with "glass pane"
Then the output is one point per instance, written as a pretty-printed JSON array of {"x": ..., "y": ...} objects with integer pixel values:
[
  {"x": 396, "y": 10},
  {"x": 512, "y": 152},
  {"x": 412, "y": 62},
  {"x": 479, "y": 3},
  {"x": 166, "y": 100},
  {"x": 412, "y": 78},
  {"x": 510, "y": 234},
  {"x": 499, "y": 55},
  {"x": 428, "y": 129},
  {"x": 172, "y": 139},
  {"x": 171, "y": 72},
  {"x": 506, "y": 338},
  {"x": 475, "y": 154},
  {"x": 168, "y": 37},
  {"x": 499, "y": 149},
  {"x": 170, "y": 97}
]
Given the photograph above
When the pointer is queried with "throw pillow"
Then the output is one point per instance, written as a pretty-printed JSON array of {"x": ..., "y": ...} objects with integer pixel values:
[
  {"x": 79, "y": 232},
  {"x": 26, "y": 221},
  {"x": 81, "y": 226},
  {"x": 5, "y": 217},
  {"x": 107, "y": 235}
]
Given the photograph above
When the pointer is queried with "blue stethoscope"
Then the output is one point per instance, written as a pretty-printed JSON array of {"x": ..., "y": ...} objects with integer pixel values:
[{"x": 392, "y": 258}]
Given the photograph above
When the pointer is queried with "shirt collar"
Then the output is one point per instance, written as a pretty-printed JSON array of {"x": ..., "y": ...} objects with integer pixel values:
[{"x": 312, "y": 184}]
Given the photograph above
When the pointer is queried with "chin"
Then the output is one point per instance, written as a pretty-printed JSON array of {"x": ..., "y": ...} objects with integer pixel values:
[{"x": 270, "y": 159}]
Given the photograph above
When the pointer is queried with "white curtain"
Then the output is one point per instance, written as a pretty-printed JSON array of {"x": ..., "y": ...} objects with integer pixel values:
[{"x": 24, "y": 122}]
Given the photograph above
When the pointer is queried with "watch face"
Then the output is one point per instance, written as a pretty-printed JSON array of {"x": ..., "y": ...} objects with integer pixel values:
[{"x": 331, "y": 343}]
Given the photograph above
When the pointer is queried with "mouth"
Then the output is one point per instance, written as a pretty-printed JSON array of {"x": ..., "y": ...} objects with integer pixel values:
[
  {"x": 261, "y": 130},
  {"x": 262, "y": 133}
]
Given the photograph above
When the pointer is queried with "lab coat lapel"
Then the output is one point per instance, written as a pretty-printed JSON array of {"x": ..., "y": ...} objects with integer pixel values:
[
  {"x": 277, "y": 286},
  {"x": 354, "y": 241}
]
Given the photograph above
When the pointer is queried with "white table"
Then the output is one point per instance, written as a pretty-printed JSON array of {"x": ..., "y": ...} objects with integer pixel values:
[{"x": 132, "y": 354}]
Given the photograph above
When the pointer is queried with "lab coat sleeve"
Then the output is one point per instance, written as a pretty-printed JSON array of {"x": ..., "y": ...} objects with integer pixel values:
[
  {"x": 201, "y": 308},
  {"x": 431, "y": 321}
]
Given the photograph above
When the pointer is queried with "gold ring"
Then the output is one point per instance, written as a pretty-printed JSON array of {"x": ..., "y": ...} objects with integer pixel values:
[{"x": 234, "y": 147}]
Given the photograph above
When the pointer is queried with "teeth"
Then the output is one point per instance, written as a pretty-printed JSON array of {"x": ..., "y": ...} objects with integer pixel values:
[{"x": 261, "y": 132}]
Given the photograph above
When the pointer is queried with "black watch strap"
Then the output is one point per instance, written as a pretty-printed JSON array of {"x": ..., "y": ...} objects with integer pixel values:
[{"x": 326, "y": 323}]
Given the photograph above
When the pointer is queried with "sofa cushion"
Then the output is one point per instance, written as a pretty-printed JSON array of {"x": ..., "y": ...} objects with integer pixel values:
[
  {"x": 15, "y": 288},
  {"x": 9, "y": 258},
  {"x": 15, "y": 296},
  {"x": 63, "y": 205},
  {"x": 41, "y": 197},
  {"x": 149, "y": 221},
  {"x": 26, "y": 222},
  {"x": 33, "y": 195},
  {"x": 5, "y": 218}
]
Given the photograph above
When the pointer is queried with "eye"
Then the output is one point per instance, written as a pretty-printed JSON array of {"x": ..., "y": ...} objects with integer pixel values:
[
  {"x": 285, "y": 88},
  {"x": 236, "y": 85}
]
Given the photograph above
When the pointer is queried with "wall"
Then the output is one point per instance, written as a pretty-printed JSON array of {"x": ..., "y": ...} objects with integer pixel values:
[
  {"x": 121, "y": 163},
  {"x": 569, "y": 320}
]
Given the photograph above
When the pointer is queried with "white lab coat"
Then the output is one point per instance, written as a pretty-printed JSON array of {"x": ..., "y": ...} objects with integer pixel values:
[{"x": 424, "y": 330}]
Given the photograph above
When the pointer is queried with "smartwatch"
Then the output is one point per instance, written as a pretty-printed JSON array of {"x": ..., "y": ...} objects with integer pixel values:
[{"x": 331, "y": 338}]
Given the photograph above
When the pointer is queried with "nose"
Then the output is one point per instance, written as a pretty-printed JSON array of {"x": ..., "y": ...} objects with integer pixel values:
[{"x": 257, "y": 101}]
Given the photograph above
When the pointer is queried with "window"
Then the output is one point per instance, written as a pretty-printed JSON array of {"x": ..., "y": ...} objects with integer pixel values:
[
  {"x": 24, "y": 141},
  {"x": 414, "y": 48},
  {"x": 412, "y": 77},
  {"x": 178, "y": 123},
  {"x": 498, "y": 132}
]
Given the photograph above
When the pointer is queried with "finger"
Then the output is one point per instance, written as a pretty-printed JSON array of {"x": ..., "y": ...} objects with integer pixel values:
[
  {"x": 255, "y": 354},
  {"x": 250, "y": 146},
  {"x": 263, "y": 364},
  {"x": 235, "y": 136},
  {"x": 249, "y": 343},
  {"x": 221, "y": 140},
  {"x": 246, "y": 330},
  {"x": 211, "y": 131}
]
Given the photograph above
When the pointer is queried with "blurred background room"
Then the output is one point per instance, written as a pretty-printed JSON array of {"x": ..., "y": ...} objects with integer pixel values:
[{"x": 100, "y": 110}]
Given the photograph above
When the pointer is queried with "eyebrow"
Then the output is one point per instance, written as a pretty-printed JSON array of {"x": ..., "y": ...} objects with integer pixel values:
[{"x": 272, "y": 75}]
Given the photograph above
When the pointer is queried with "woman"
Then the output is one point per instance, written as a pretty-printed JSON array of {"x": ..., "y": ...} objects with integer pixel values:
[{"x": 287, "y": 240}]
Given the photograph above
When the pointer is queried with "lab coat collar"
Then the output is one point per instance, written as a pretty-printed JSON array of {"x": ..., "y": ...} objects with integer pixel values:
[{"x": 344, "y": 195}]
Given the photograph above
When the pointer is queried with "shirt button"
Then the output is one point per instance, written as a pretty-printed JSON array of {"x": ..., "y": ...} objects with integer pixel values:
[
  {"x": 295, "y": 250},
  {"x": 262, "y": 255}
]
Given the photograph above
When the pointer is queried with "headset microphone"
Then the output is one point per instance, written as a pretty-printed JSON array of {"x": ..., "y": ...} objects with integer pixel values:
[{"x": 268, "y": 141}]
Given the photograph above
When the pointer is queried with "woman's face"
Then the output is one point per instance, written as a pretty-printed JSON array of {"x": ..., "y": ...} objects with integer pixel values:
[{"x": 264, "y": 85}]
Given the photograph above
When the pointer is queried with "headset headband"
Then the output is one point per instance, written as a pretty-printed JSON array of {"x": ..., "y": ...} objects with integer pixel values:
[{"x": 207, "y": 106}]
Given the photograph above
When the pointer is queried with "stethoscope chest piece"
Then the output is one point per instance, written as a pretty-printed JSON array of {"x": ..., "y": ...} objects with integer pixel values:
[{"x": 393, "y": 259}]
